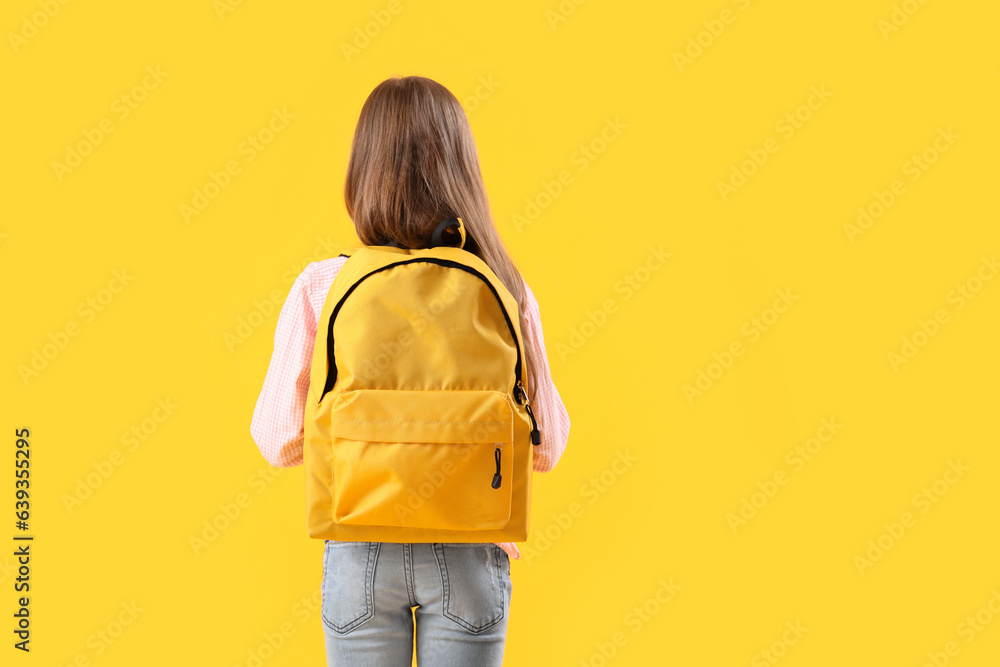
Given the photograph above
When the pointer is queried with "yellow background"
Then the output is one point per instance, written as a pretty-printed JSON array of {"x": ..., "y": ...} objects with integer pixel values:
[{"x": 557, "y": 84}]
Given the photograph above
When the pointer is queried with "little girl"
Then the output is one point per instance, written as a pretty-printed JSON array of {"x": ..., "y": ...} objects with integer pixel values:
[{"x": 413, "y": 164}]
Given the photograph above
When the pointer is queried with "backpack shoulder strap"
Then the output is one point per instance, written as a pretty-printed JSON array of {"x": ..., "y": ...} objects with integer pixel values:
[{"x": 349, "y": 250}]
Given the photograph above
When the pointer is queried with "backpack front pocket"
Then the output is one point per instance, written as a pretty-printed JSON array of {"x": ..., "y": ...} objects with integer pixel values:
[{"x": 439, "y": 459}]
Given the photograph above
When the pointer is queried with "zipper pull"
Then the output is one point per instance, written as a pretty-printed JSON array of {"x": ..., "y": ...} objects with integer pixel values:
[
  {"x": 536, "y": 435},
  {"x": 496, "y": 476}
]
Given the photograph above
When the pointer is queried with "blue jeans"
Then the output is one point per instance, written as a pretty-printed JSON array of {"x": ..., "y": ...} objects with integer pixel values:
[{"x": 461, "y": 592}]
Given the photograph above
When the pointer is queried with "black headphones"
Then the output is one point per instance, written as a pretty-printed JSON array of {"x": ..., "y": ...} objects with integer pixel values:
[{"x": 447, "y": 233}]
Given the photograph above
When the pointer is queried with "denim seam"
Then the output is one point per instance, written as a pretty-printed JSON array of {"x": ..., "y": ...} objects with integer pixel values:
[
  {"x": 498, "y": 578},
  {"x": 322, "y": 585},
  {"x": 408, "y": 571}
]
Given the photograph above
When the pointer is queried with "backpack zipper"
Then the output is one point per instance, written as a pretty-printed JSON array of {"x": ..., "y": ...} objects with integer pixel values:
[
  {"x": 331, "y": 377},
  {"x": 496, "y": 476},
  {"x": 536, "y": 436}
]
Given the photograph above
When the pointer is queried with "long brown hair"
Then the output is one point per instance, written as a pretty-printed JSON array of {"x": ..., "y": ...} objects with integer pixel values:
[{"x": 413, "y": 164}]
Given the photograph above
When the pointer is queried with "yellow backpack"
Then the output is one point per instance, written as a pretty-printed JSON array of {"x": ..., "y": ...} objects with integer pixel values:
[{"x": 417, "y": 426}]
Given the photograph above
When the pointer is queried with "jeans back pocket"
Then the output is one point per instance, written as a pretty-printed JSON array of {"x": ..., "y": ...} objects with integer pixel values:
[
  {"x": 476, "y": 587},
  {"x": 348, "y": 584}
]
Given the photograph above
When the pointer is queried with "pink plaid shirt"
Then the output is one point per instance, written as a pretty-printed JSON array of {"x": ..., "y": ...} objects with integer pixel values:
[{"x": 277, "y": 425}]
